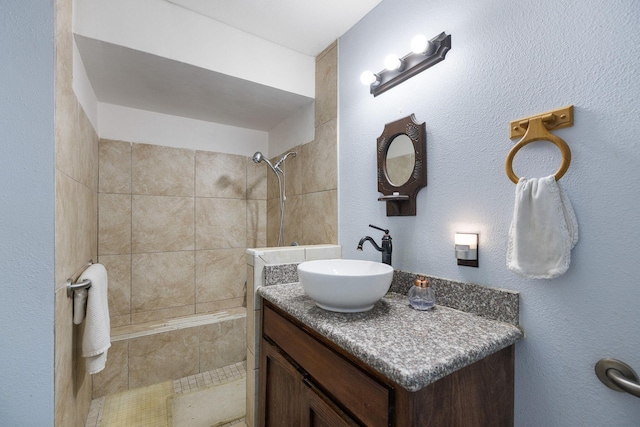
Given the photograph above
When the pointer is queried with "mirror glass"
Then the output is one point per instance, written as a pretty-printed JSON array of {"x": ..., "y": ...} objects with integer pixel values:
[{"x": 400, "y": 160}]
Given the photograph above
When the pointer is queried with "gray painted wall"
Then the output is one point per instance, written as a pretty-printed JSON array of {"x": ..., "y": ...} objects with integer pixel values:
[
  {"x": 511, "y": 60},
  {"x": 26, "y": 212}
]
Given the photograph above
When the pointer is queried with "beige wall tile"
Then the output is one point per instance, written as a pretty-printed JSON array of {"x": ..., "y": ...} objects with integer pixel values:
[
  {"x": 66, "y": 225},
  {"x": 64, "y": 359},
  {"x": 220, "y": 274},
  {"x": 162, "y": 280},
  {"x": 221, "y": 223},
  {"x": 115, "y": 166},
  {"x": 313, "y": 170},
  {"x": 210, "y": 307},
  {"x": 161, "y": 223},
  {"x": 256, "y": 223},
  {"x": 222, "y": 344},
  {"x": 284, "y": 255},
  {"x": 327, "y": 85},
  {"x": 273, "y": 222},
  {"x": 119, "y": 320},
  {"x": 256, "y": 180},
  {"x": 293, "y": 168},
  {"x": 322, "y": 252},
  {"x": 119, "y": 274},
  {"x": 63, "y": 40},
  {"x": 221, "y": 175},
  {"x": 83, "y": 395},
  {"x": 252, "y": 303},
  {"x": 293, "y": 220},
  {"x": 115, "y": 376},
  {"x": 66, "y": 130},
  {"x": 86, "y": 233},
  {"x": 87, "y": 169},
  {"x": 162, "y": 171},
  {"x": 163, "y": 357},
  {"x": 75, "y": 225},
  {"x": 72, "y": 383},
  {"x": 253, "y": 336},
  {"x": 320, "y": 217},
  {"x": 321, "y": 160},
  {"x": 162, "y": 314},
  {"x": 114, "y": 223}
]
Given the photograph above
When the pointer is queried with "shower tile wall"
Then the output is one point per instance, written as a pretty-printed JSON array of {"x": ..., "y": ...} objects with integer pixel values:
[
  {"x": 311, "y": 212},
  {"x": 173, "y": 226},
  {"x": 76, "y": 195}
]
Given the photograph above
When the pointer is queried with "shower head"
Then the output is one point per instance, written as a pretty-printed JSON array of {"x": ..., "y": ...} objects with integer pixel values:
[
  {"x": 290, "y": 153},
  {"x": 259, "y": 157}
]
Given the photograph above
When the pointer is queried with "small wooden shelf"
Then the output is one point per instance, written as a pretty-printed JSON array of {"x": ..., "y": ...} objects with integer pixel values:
[{"x": 394, "y": 197}]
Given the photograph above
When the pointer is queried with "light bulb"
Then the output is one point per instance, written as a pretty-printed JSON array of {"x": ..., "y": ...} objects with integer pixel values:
[
  {"x": 392, "y": 62},
  {"x": 367, "y": 78},
  {"x": 419, "y": 44}
]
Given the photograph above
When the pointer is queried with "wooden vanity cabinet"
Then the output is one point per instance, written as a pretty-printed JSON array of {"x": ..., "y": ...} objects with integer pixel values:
[
  {"x": 306, "y": 380},
  {"x": 291, "y": 399}
]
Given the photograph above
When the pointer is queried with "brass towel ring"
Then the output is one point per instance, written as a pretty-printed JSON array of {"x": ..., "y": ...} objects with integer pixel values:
[{"x": 536, "y": 131}]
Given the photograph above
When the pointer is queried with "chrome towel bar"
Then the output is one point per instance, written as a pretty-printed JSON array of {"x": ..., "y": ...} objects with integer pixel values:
[
  {"x": 85, "y": 284},
  {"x": 618, "y": 376},
  {"x": 72, "y": 287}
]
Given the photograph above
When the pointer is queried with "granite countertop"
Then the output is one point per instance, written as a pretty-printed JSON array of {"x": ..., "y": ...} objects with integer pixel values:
[{"x": 412, "y": 348}]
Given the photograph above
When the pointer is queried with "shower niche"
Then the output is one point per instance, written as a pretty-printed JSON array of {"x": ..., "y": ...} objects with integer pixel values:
[{"x": 402, "y": 165}]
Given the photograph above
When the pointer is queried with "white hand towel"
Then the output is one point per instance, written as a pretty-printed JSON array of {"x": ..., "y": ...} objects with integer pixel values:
[
  {"x": 543, "y": 231},
  {"x": 79, "y": 305},
  {"x": 97, "y": 332}
]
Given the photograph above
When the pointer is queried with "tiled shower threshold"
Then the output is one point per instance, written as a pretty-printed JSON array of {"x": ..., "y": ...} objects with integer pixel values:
[{"x": 136, "y": 405}]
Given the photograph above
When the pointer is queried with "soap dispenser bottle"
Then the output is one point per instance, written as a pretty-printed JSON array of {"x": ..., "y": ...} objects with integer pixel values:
[{"x": 421, "y": 296}]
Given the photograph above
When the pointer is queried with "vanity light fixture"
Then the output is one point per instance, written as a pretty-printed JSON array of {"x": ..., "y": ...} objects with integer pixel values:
[
  {"x": 368, "y": 78},
  {"x": 467, "y": 249},
  {"x": 392, "y": 62},
  {"x": 420, "y": 44},
  {"x": 424, "y": 54}
]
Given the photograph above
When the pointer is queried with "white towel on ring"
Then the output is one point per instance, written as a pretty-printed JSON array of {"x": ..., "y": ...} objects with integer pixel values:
[
  {"x": 97, "y": 332},
  {"x": 543, "y": 231},
  {"x": 79, "y": 305}
]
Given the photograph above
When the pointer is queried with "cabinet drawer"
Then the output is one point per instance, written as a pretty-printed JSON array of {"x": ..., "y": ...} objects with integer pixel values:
[{"x": 356, "y": 392}]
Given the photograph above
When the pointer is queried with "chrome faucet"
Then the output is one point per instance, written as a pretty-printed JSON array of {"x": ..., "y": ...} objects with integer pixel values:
[{"x": 386, "y": 244}]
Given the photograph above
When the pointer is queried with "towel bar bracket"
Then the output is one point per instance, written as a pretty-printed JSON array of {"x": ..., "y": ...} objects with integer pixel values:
[
  {"x": 618, "y": 376},
  {"x": 554, "y": 119},
  {"x": 72, "y": 287}
]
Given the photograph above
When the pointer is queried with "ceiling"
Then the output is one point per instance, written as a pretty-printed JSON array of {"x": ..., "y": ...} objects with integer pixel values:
[
  {"x": 131, "y": 78},
  {"x": 306, "y": 26}
]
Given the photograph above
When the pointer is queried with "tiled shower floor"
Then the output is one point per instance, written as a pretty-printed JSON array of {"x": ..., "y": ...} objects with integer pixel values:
[{"x": 146, "y": 407}]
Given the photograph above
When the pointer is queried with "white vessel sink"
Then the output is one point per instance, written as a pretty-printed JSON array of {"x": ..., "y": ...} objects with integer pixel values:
[{"x": 345, "y": 285}]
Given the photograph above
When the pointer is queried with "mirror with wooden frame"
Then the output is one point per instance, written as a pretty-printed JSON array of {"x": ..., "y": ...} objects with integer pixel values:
[{"x": 402, "y": 165}]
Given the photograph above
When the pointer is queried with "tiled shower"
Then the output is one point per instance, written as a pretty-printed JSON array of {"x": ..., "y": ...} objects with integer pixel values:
[{"x": 173, "y": 228}]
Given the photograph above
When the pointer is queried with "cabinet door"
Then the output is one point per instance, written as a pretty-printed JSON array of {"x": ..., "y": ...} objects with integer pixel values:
[
  {"x": 280, "y": 388},
  {"x": 319, "y": 411},
  {"x": 364, "y": 398}
]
